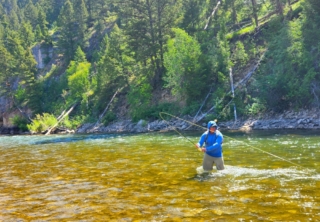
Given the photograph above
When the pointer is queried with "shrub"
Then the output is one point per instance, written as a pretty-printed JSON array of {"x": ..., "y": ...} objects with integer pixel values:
[
  {"x": 42, "y": 123},
  {"x": 109, "y": 117},
  {"x": 20, "y": 122}
]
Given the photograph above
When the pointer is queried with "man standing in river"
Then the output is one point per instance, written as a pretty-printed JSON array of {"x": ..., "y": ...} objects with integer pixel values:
[{"x": 212, "y": 139}]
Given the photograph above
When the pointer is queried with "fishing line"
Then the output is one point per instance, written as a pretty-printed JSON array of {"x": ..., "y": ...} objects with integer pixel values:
[
  {"x": 194, "y": 124},
  {"x": 160, "y": 114}
]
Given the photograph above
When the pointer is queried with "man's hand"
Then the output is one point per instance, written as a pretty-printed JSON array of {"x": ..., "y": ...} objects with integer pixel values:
[
  {"x": 198, "y": 147},
  {"x": 203, "y": 150}
]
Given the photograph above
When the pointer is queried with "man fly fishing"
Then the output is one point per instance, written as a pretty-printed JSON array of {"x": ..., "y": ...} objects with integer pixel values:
[{"x": 212, "y": 139}]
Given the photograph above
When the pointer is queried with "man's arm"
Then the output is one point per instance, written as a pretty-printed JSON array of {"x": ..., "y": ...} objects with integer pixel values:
[
  {"x": 216, "y": 145},
  {"x": 201, "y": 142}
]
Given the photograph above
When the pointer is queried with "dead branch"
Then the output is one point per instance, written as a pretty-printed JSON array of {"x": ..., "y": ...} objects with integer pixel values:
[
  {"x": 105, "y": 110},
  {"x": 241, "y": 82},
  {"x": 66, "y": 114},
  {"x": 212, "y": 14}
]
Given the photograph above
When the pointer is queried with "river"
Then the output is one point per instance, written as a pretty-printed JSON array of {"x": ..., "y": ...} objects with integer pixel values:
[{"x": 269, "y": 176}]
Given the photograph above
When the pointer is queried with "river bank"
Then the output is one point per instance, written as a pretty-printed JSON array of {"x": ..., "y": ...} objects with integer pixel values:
[{"x": 305, "y": 119}]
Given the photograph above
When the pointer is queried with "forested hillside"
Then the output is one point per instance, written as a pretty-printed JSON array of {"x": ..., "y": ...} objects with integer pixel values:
[{"x": 134, "y": 59}]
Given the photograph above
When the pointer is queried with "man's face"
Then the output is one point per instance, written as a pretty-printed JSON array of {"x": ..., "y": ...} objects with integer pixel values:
[{"x": 212, "y": 129}]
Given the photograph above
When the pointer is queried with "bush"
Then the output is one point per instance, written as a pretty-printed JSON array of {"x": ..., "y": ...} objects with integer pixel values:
[
  {"x": 152, "y": 112},
  {"x": 42, "y": 123},
  {"x": 109, "y": 117},
  {"x": 20, "y": 122},
  {"x": 255, "y": 108},
  {"x": 74, "y": 122}
]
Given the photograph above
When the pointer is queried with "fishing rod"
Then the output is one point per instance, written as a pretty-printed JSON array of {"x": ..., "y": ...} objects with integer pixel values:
[
  {"x": 160, "y": 114},
  {"x": 194, "y": 124}
]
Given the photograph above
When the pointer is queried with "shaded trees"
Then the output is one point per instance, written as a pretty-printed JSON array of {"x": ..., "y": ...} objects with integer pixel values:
[{"x": 147, "y": 23}]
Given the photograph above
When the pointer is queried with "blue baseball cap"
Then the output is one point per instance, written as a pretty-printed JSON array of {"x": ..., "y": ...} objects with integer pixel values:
[{"x": 212, "y": 124}]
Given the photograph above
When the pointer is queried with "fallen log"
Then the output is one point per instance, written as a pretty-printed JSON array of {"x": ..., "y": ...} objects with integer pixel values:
[
  {"x": 61, "y": 118},
  {"x": 105, "y": 110}
]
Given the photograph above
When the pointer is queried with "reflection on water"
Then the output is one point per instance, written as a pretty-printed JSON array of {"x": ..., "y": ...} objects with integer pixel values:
[{"x": 152, "y": 177}]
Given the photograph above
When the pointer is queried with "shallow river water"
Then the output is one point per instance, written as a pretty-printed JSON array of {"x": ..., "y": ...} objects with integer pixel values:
[{"x": 152, "y": 177}]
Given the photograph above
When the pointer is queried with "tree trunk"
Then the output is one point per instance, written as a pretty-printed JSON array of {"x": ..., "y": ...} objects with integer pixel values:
[
  {"x": 255, "y": 15},
  {"x": 279, "y": 7}
]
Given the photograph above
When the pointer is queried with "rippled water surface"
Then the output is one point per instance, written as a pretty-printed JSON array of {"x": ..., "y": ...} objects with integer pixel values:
[{"x": 152, "y": 177}]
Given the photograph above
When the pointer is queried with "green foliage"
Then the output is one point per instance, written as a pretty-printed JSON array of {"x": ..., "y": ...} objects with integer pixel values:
[
  {"x": 152, "y": 112},
  {"x": 255, "y": 108},
  {"x": 191, "y": 109},
  {"x": 20, "y": 95},
  {"x": 67, "y": 37},
  {"x": 239, "y": 56},
  {"x": 79, "y": 83},
  {"x": 73, "y": 123},
  {"x": 109, "y": 117},
  {"x": 156, "y": 43},
  {"x": 26, "y": 34},
  {"x": 286, "y": 78},
  {"x": 20, "y": 122},
  {"x": 139, "y": 98},
  {"x": 182, "y": 64},
  {"x": 80, "y": 56},
  {"x": 42, "y": 122}
]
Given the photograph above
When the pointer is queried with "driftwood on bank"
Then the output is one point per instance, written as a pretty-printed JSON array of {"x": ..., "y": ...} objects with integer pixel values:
[{"x": 61, "y": 117}]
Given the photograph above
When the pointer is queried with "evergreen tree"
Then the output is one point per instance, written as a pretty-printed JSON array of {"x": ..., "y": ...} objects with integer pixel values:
[
  {"x": 81, "y": 16},
  {"x": 67, "y": 37},
  {"x": 26, "y": 35},
  {"x": 31, "y": 13},
  {"x": 311, "y": 26},
  {"x": 79, "y": 56},
  {"x": 147, "y": 24},
  {"x": 113, "y": 67},
  {"x": 7, "y": 70},
  {"x": 43, "y": 24},
  {"x": 14, "y": 20},
  {"x": 10, "y": 5},
  {"x": 53, "y": 9},
  {"x": 193, "y": 16},
  {"x": 38, "y": 33},
  {"x": 1, "y": 32}
]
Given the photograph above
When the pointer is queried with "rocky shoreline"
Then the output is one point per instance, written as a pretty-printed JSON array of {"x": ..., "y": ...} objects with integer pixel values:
[{"x": 307, "y": 119}]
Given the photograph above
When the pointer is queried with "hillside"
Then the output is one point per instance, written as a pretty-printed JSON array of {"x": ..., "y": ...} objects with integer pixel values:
[{"x": 174, "y": 57}]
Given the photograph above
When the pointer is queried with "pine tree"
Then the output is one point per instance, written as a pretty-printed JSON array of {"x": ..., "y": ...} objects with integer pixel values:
[
  {"x": 31, "y": 13},
  {"x": 43, "y": 24},
  {"x": 147, "y": 24},
  {"x": 79, "y": 56},
  {"x": 26, "y": 35},
  {"x": 7, "y": 70},
  {"x": 38, "y": 33},
  {"x": 81, "y": 17},
  {"x": 114, "y": 66},
  {"x": 67, "y": 38},
  {"x": 14, "y": 20},
  {"x": 193, "y": 15}
]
